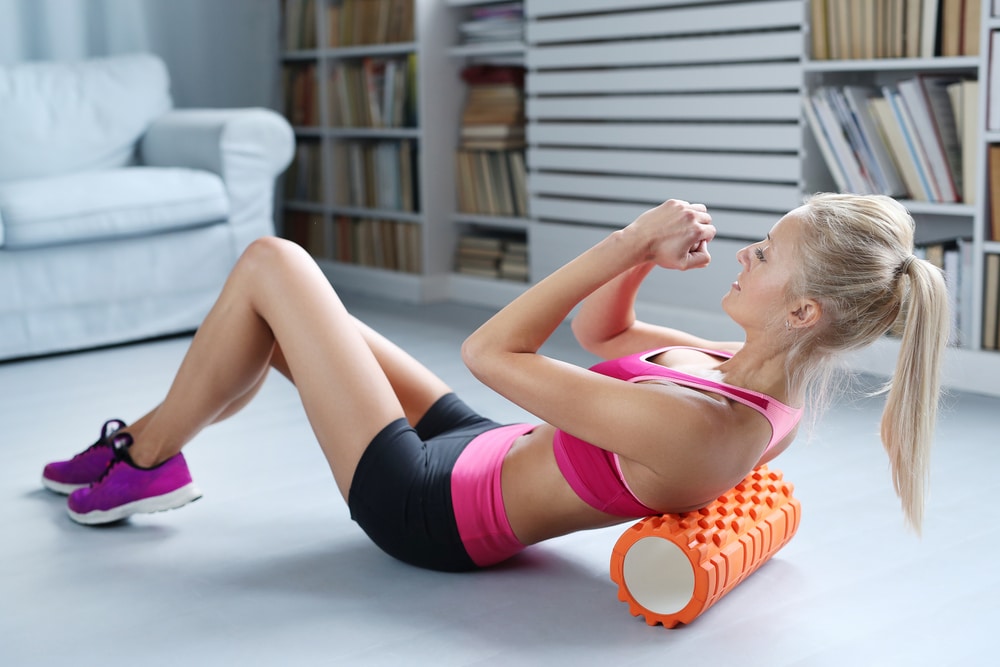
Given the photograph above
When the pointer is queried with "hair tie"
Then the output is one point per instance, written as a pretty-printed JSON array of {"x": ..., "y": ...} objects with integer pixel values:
[{"x": 904, "y": 266}]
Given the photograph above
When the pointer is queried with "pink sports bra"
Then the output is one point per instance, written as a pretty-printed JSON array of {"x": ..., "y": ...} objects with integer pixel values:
[{"x": 595, "y": 474}]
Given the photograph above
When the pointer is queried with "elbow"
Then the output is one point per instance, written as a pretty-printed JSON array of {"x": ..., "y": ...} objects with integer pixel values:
[
  {"x": 475, "y": 354},
  {"x": 587, "y": 339},
  {"x": 468, "y": 352},
  {"x": 583, "y": 336}
]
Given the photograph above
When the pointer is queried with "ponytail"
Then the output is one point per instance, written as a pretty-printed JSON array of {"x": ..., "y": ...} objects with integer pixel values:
[{"x": 911, "y": 405}]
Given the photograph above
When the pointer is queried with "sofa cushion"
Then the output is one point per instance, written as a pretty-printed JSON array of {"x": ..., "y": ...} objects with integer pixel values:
[
  {"x": 108, "y": 204},
  {"x": 59, "y": 117}
]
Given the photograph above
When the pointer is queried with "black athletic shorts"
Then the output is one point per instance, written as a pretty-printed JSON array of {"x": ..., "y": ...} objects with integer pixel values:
[{"x": 401, "y": 491}]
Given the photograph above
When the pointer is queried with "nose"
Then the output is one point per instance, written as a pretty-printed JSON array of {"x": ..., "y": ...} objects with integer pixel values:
[{"x": 743, "y": 255}]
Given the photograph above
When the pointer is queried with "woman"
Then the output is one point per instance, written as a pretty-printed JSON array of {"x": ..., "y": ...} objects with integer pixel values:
[{"x": 456, "y": 491}]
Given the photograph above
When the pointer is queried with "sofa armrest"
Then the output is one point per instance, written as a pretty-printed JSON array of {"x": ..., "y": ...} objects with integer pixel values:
[{"x": 247, "y": 148}]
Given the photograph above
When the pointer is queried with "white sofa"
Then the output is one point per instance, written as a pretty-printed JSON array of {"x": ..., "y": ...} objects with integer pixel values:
[{"x": 120, "y": 216}]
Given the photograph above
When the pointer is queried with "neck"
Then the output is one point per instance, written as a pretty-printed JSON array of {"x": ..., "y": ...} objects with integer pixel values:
[{"x": 762, "y": 366}]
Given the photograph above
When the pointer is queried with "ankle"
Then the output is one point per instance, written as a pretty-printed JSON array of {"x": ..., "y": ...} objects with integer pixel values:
[
  {"x": 140, "y": 454},
  {"x": 143, "y": 458}
]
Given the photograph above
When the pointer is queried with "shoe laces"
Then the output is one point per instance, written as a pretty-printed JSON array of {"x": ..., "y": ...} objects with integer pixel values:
[
  {"x": 109, "y": 428},
  {"x": 120, "y": 442}
]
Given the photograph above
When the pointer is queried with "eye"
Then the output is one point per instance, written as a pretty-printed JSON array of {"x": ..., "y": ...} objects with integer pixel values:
[{"x": 759, "y": 253}]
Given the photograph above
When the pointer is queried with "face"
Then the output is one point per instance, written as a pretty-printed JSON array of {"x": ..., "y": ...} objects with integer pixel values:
[{"x": 757, "y": 299}]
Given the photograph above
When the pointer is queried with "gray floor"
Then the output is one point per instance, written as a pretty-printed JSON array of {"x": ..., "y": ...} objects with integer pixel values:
[{"x": 268, "y": 569}]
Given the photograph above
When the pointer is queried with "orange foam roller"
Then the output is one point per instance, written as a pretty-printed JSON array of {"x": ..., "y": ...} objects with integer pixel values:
[{"x": 672, "y": 567}]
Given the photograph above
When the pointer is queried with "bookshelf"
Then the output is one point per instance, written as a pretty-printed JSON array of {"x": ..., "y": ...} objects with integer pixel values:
[
  {"x": 363, "y": 82},
  {"x": 960, "y": 51},
  {"x": 491, "y": 207},
  {"x": 628, "y": 103}
]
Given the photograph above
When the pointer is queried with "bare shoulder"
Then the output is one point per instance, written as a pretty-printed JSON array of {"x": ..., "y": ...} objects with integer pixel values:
[{"x": 698, "y": 446}]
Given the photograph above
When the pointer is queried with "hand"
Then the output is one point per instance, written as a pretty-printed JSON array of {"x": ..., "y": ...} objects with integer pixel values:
[{"x": 674, "y": 235}]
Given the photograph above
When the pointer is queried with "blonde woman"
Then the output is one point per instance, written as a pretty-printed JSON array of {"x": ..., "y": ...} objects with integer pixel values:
[{"x": 668, "y": 423}]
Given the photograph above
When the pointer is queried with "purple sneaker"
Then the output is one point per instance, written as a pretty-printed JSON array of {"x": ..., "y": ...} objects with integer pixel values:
[
  {"x": 86, "y": 467},
  {"x": 126, "y": 489}
]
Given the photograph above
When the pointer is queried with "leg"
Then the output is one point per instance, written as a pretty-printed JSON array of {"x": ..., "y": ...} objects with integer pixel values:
[
  {"x": 416, "y": 387},
  {"x": 276, "y": 294}
]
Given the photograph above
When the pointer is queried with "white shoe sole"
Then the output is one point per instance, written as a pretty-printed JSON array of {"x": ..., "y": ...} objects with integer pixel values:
[
  {"x": 61, "y": 488},
  {"x": 168, "y": 501}
]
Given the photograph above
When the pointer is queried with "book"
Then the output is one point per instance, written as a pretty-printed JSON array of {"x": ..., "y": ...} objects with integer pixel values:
[
  {"x": 964, "y": 96},
  {"x": 972, "y": 16},
  {"x": 951, "y": 24},
  {"x": 846, "y": 159},
  {"x": 892, "y": 135},
  {"x": 825, "y": 145},
  {"x": 489, "y": 254},
  {"x": 993, "y": 178},
  {"x": 991, "y": 296},
  {"x": 882, "y": 164},
  {"x": 914, "y": 150},
  {"x": 309, "y": 230},
  {"x": 819, "y": 30},
  {"x": 993, "y": 104},
  {"x": 943, "y": 115},
  {"x": 929, "y": 23},
  {"x": 927, "y": 134}
]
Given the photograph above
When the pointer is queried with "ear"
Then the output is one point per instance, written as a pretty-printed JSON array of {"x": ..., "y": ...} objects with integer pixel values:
[{"x": 806, "y": 313}]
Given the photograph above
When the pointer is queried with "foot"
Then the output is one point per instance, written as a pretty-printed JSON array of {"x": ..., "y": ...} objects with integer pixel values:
[
  {"x": 126, "y": 489},
  {"x": 85, "y": 468}
]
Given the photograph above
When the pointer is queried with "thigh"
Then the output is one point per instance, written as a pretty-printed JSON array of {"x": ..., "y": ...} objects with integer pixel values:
[
  {"x": 401, "y": 495},
  {"x": 346, "y": 394},
  {"x": 416, "y": 387}
]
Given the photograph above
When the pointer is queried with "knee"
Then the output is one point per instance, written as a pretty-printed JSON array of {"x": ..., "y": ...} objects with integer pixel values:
[{"x": 269, "y": 254}]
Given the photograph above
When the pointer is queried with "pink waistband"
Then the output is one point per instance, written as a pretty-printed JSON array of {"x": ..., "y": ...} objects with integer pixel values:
[{"x": 477, "y": 497}]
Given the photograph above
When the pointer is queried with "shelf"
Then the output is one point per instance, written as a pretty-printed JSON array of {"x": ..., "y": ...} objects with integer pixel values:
[
  {"x": 302, "y": 54},
  {"x": 407, "y": 287},
  {"x": 498, "y": 222},
  {"x": 309, "y": 131},
  {"x": 366, "y": 50},
  {"x": 371, "y": 132},
  {"x": 304, "y": 206},
  {"x": 483, "y": 291},
  {"x": 992, "y": 247},
  {"x": 965, "y": 63},
  {"x": 488, "y": 49},
  {"x": 375, "y": 213},
  {"x": 938, "y": 208},
  {"x": 471, "y": 3}
]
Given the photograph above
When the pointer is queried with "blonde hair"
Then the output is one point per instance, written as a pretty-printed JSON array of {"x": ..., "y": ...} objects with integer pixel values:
[{"x": 869, "y": 277}]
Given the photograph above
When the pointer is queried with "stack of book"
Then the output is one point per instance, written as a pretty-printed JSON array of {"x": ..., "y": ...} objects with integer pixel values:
[
  {"x": 493, "y": 117},
  {"x": 309, "y": 230},
  {"x": 493, "y": 256},
  {"x": 301, "y": 99},
  {"x": 493, "y": 23},
  {"x": 379, "y": 244},
  {"x": 300, "y": 24},
  {"x": 357, "y": 22},
  {"x": 490, "y": 158},
  {"x": 917, "y": 139},
  {"x": 863, "y": 29},
  {"x": 372, "y": 92},
  {"x": 302, "y": 178},
  {"x": 375, "y": 174}
]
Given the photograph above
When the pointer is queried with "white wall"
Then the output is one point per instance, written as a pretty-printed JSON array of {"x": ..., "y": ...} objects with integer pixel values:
[{"x": 221, "y": 53}]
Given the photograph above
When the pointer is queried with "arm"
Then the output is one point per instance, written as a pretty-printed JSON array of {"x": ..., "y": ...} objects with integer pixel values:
[
  {"x": 503, "y": 352},
  {"x": 247, "y": 148},
  {"x": 606, "y": 323}
]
